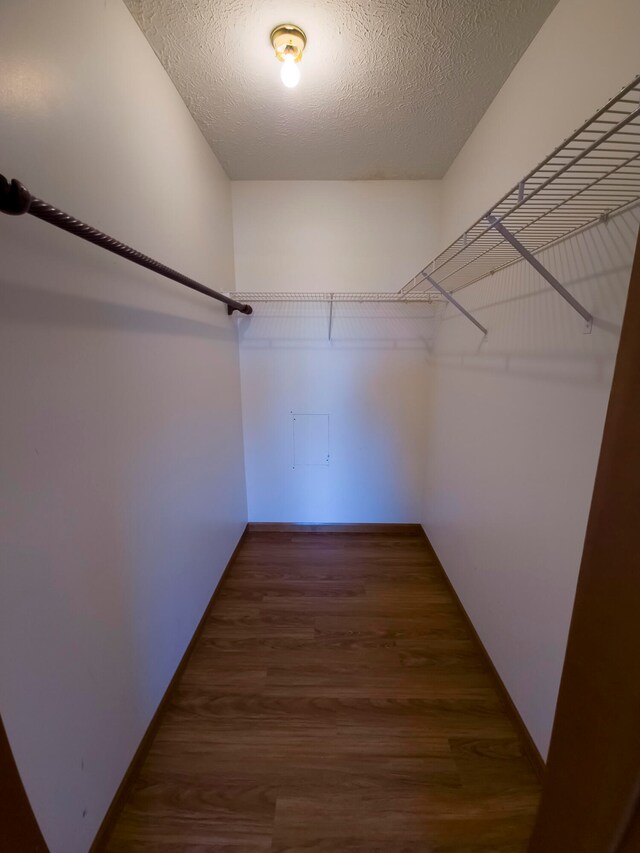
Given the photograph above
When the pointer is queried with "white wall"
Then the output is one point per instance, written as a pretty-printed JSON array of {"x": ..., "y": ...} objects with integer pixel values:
[
  {"x": 512, "y": 446},
  {"x": 373, "y": 396},
  {"x": 515, "y": 423},
  {"x": 121, "y": 464},
  {"x": 334, "y": 236}
]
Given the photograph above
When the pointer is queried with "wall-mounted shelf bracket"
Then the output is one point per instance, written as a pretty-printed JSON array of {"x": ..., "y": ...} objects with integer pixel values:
[
  {"x": 450, "y": 298},
  {"x": 544, "y": 272}
]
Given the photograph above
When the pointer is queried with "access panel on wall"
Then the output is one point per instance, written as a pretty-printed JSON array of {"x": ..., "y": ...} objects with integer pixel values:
[{"x": 310, "y": 439}]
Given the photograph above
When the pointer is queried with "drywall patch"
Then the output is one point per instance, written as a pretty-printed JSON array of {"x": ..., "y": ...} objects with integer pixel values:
[{"x": 310, "y": 439}]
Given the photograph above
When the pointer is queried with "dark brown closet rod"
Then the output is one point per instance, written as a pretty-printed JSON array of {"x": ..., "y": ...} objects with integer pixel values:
[{"x": 15, "y": 199}]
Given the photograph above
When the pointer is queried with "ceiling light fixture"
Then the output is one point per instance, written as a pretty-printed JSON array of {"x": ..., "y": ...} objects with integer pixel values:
[{"x": 289, "y": 42}]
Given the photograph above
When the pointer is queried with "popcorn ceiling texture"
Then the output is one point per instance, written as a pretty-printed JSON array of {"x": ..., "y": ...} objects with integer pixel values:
[{"x": 389, "y": 88}]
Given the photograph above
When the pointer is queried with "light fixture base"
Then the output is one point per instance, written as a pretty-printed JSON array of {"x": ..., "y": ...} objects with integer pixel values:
[{"x": 288, "y": 39}]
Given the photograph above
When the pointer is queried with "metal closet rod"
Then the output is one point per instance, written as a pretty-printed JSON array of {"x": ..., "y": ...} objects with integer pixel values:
[{"x": 15, "y": 200}]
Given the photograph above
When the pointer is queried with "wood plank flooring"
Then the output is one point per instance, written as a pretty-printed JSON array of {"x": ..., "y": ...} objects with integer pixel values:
[{"x": 334, "y": 702}]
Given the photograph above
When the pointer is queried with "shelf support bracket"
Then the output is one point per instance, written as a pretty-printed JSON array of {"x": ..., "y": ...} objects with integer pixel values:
[
  {"x": 330, "y": 313},
  {"x": 544, "y": 272},
  {"x": 450, "y": 298}
]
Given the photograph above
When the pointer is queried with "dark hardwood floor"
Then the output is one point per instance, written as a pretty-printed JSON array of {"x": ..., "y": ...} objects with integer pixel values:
[{"x": 334, "y": 702}]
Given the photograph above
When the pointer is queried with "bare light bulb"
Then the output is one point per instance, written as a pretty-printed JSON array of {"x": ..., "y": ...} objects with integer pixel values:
[{"x": 290, "y": 73}]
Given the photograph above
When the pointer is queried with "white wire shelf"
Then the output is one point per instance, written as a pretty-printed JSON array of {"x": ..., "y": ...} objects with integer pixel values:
[
  {"x": 264, "y": 296},
  {"x": 594, "y": 173},
  {"x": 331, "y": 300}
]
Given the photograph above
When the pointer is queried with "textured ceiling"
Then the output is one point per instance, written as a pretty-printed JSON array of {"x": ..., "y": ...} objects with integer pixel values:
[{"x": 389, "y": 88}]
